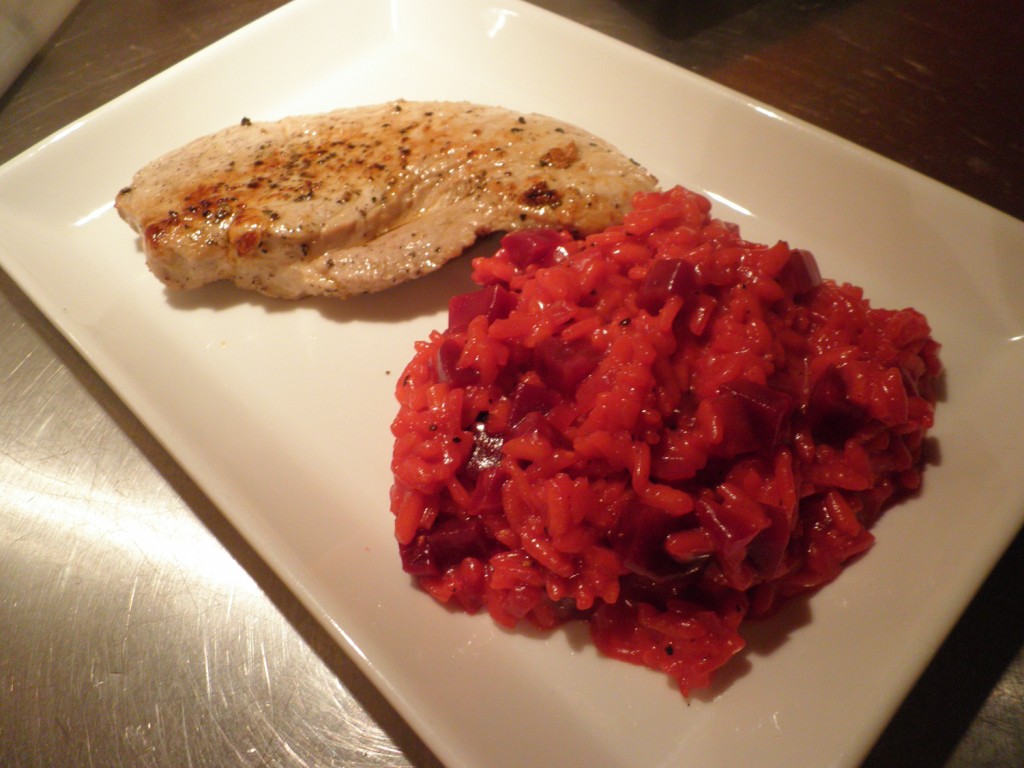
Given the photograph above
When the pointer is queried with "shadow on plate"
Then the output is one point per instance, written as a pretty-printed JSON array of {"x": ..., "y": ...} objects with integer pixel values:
[{"x": 763, "y": 637}]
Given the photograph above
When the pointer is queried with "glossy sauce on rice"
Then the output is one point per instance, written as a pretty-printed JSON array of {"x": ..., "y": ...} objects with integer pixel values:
[{"x": 660, "y": 429}]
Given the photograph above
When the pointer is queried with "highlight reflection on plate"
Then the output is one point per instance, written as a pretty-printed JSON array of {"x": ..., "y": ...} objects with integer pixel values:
[{"x": 281, "y": 412}]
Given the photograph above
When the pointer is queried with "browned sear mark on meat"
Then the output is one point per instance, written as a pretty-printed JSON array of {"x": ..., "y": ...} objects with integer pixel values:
[
  {"x": 540, "y": 195},
  {"x": 561, "y": 157}
]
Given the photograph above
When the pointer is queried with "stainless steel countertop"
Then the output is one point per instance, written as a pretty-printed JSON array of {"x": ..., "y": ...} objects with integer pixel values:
[{"x": 137, "y": 628}]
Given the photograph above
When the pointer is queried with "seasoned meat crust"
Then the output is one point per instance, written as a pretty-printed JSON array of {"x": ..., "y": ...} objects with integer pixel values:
[{"x": 357, "y": 200}]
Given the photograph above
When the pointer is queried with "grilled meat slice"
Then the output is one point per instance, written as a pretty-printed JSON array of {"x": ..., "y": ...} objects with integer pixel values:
[{"x": 357, "y": 200}]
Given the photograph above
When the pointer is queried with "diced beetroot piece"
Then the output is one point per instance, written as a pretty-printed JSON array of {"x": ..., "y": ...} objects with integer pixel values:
[
  {"x": 528, "y": 398},
  {"x": 456, "y": 538},
  {"x": 564, "y": 364},
  {"x": 446, "y": 544},
  {"x": 768, "y": 409},
  {"x": 537, "y": 423},
  {"x": 800, "y": 274},
  {"x": 734, "y": 531},
  {"x": 416, "y": 558},
  {"x": 830, "y": 415},
  {"x": 635, "y": 589},
  {"x": 768, "y": 548},
  {"x": 665, "y": 278},
  {"x": 531, "y": 246},
  {"x": 448, "y": 371},
  {"x": 494, "y": 302},
  {"x": 448, "y": 354},
  {"x": 754, "y": 417},
  {"x": 642, "y": 544},
  {"x": 737, "y": 432},
  {"x": 486, "y": 496}
]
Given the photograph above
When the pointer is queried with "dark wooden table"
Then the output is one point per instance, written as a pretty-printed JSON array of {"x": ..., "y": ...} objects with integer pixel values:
[{"x": 936, "y": 86}]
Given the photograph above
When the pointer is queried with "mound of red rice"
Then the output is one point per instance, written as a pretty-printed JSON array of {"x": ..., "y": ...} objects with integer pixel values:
[{"x": 660, "y": 429}]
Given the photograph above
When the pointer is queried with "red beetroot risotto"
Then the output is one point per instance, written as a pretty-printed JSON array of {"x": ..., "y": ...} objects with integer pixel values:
[{"x": 660, "y": 429}]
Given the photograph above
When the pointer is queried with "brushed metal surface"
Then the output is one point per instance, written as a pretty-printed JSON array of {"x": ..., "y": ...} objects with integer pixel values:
[{"x": 137, "y": 628}]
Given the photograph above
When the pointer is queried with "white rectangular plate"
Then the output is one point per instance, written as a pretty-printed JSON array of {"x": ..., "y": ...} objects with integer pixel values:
[{"x": 281, "y": 411}]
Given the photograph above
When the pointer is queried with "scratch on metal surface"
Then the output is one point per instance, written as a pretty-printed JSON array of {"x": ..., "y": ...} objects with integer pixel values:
[
  {"x": 230, "y": 605},
  {"x": 185, "y": 734},
  {"x": 15, "y": 368},
  {"x": 921, "y": 68},
  {"x": 288, "y": 748},
  {"x": 206, "y": 667},
  {"x": 88, "y": 746},
  {"x": 131, "y": 602},
  {"x": 266, "y": 667},
  {"x": 63, "y": 728}
]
